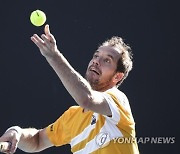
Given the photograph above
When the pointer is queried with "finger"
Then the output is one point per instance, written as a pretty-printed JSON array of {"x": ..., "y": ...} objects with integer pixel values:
[
  {"x": 49, "y": 39},
  {"x": 49, "y": 35},
  {"x": 14, "y": 145},
  {"x": 52, "y": 39},
  {"x": 37, "y": 40},
  {"x": 47, "y": 30},
  {"x": 45, "y": 39}
]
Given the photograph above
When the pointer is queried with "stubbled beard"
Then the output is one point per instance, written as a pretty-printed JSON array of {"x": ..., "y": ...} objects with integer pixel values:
[
  {"x": 96, "y": 85},
  {"x": 93, "y": 83}
]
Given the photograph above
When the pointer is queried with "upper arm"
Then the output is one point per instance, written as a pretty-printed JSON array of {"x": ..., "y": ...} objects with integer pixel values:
[
  {"x": 98, "y": 103},
  {"x": 105, "y": 104},
  {"x": 44, "y": 141}
]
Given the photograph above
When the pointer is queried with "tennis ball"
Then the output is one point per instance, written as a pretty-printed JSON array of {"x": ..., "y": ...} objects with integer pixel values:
[{"x": 38, "y": 18}]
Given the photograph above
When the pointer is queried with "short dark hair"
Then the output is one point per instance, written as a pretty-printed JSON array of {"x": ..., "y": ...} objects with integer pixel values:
[{"x": 124, "y": 63}]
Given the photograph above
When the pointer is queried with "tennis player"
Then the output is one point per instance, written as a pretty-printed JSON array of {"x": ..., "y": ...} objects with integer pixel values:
[{"x": 103, "y": 113}]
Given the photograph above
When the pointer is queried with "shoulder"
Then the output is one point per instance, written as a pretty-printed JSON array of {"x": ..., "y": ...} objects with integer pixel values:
[
  {"x": 73, "y": 109},
  {"x": 119, "y": 97},
  {"x": 117, "y": 94}
]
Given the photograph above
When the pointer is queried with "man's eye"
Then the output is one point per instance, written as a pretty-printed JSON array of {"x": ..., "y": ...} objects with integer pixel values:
[
  {"x": 107, "y": 60},
  {"x": 95, "y": 56}
]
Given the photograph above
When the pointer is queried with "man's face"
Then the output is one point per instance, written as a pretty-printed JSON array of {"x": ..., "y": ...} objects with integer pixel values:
[{"x": 102, "y": 68}]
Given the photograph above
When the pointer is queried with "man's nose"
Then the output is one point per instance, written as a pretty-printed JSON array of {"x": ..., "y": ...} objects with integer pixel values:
[{"x": 96, "y": 61}]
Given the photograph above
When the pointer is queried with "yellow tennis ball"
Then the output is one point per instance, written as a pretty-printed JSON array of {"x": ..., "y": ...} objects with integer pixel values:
[{"x": 38, "y": 18}]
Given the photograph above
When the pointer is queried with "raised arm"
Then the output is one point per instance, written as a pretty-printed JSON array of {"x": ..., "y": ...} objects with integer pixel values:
[
  {"x": 76, "y": 85},
  {"x": 29, "y": 140}
]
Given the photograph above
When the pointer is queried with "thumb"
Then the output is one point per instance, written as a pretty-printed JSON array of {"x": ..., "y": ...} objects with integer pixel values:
[
  {"x": 47, "y": 30},
  {"x": 14, "y": 145},
  {"x": 49, "y": 35}
]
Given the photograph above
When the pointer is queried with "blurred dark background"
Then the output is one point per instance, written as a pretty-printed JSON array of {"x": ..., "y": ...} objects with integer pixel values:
[{"x": 33, "y": 96}]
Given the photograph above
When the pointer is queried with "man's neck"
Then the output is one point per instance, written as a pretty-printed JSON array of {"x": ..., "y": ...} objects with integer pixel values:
[{"x": 103, "y": 89}]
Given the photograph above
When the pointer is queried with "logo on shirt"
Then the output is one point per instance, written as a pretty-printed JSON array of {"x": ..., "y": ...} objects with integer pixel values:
[
  {"x": 51, "y": 128},
  {"x": 93, "y": 120},
  {"x": 102, "y": 139}
]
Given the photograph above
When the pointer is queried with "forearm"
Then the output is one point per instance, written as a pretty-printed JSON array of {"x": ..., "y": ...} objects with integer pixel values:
[
  {"x": 29, "y": 141},
  {"x": 76, "y": 85}
]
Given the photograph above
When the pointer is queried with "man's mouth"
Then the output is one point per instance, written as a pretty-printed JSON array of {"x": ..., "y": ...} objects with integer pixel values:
[{"x": 92, "y": 69}]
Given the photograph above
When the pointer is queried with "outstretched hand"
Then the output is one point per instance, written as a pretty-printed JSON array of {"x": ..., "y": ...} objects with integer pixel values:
[
  {"x": 13, "y": 137},
  {"x": 46, "y": 43}
]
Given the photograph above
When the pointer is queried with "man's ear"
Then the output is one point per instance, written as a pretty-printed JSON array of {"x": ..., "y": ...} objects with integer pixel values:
[{"x": 118, "y": 77}]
